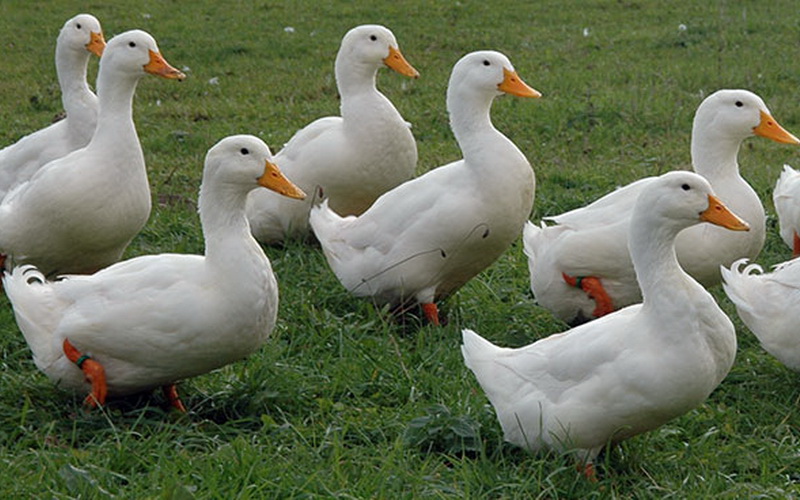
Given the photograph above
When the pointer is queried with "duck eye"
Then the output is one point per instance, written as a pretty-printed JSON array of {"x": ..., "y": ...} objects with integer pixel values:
[
  {"x": 685, "y": 187},
  {"x": 131, "y": 44},
  {"x": 486, "y": 62},
  {"x": 373, "y": 37},
  {"x": 78, "y": 25},
  {"x": 244, "y": 151},
  {"x": 739, "y": 104}
]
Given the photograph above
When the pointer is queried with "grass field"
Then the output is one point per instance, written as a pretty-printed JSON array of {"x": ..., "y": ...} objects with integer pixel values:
[{"x": 343, "y": 401}]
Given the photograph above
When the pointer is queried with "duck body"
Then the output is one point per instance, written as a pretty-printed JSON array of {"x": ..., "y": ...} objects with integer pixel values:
[
  {"x": 80, "y": 37},
  {"x": 591, "y": 241},
  {"x": 548, "y": 395},
  {"x": 427, "y": 237},
  {"x": 78, "y": 213},
  {"x": 110, "y": 315},
  {"x": 154, "y": 320},
  {"x": 767, "y": 304},
  {"x": 786, "y": 198},
  {"x": 630, "y": 371},
  {"x": 353, "y": 158}
]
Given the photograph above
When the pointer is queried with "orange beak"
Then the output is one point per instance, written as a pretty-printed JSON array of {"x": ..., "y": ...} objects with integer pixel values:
[
  {"x": 771, "y": 129},
  {"x": 717, "y": 213},
  {"x": 96, "y": 43},
  {"x": 273, "y": 179},
  {"x": 513, "y": 84},
  {"x": 397, "y": 62},
  {"x": 160, "y": 67}
]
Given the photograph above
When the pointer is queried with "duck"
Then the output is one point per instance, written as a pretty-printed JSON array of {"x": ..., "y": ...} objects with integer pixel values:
[
  {"x": 164, "y": 317},
  {"x": 786, "y": 198},
  {"x": 352, "y": 158},
  {"x": 630, "y": 371},
  {"x": 78, "y": 213},
  {"x": 767, "y": 304},
  {"x": 79, "y": 38},
  {"x": 579, "y": 265},
  {"x": 421, "y": 241}
]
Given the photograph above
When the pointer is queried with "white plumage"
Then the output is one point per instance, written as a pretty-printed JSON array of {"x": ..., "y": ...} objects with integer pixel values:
[
  {"x": 768, "y": 305},
  {"x": 421, "y": 241},
  {"x": 786, "y": 198},
  {"x": 591, "y": 241},
  {"x": 154, "y": 320},
  {"x": 80, "y": 37},
  {"x": 632, "y": 370},
  {"x": 78, "y": 213},
  {"x": 353, "y": 158}
]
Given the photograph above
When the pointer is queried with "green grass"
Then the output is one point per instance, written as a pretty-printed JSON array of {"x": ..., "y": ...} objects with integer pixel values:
[{"x": 343, "y": 401}]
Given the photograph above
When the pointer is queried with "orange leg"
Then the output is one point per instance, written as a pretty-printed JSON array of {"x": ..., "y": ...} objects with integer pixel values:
[
  {"x": 594, "y": 289},
  {"x": 431, "y": 312},
  {"x": 171, "y": 394},
  {"x": 588, "y": 471},
  {"x": 796, "y": 248},
  {"x": 93, "y": 371}
]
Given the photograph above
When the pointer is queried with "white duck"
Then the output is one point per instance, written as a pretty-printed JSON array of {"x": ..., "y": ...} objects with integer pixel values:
[
  {"x": 630, "y": 371},
  {"x": 354, "y": 158},
  {"x": 767, "y": 303},
  {"x": 786, "y": 198},
  {"x": 151, "y": 321},
  {"x": 80, "y": 37},
  {"x": 580, "y": 267},
  {"x": 424, "y": 239},
  {"x": 79, "y": 212}
]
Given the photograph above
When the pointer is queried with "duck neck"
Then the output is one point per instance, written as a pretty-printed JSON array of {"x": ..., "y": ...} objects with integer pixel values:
[
  {"x": 355, "y": 82},
  {"x": 714, "y": 156},
  {"x": 470, "y": 118},
  {"x": 229, "y": 243},
  {"x": 71, "y": 67},
  {"x": 115, "y": 98},
  {"x": 652, "y": 249}
]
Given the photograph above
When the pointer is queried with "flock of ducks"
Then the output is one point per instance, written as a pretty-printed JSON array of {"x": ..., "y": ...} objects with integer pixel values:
[
  {"x": 631, "y": 267},
  {"x": 591, "y": 241}
]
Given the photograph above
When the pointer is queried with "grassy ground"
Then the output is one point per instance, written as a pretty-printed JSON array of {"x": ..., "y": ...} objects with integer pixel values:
[{"x": 343, "y": 401}]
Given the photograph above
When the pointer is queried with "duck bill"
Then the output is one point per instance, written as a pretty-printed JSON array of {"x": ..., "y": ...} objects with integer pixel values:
[
  {"x": 513, "y": 84},
  {"x": 97, "y": 43},
  {"x": 160, "y": 67},
  {"x": 717, "y": 213},
  {"x": 771, "y": 129},
  {"x": 397, "y": 62},
  {"x": 273, "y": 179}
]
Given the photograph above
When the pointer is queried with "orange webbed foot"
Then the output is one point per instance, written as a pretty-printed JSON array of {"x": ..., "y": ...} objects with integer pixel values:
[
  {"x": 594, "y": 289},
  {"x": 796, "y": 247},
  {"x": 431, "y": 313},
  {"x": 93, "y": 371},
  {"x": 171, "y": 393}
]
